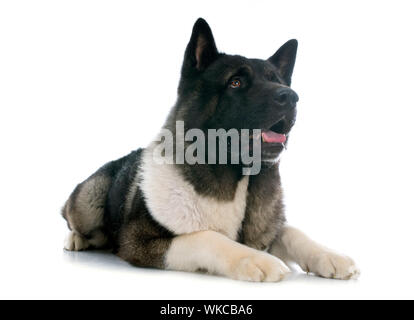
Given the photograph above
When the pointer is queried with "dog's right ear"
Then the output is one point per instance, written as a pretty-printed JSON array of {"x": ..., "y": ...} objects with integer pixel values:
[{"x": 201, "y": 50}]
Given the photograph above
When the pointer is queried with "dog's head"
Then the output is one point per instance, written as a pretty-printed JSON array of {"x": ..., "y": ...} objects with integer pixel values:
[{"x": 217, "y": 90}]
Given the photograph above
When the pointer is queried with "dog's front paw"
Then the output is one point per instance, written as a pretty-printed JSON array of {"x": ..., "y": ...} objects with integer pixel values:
[
  {"x": 332, "y": 265},
  {"x": 259, "y": 267}
]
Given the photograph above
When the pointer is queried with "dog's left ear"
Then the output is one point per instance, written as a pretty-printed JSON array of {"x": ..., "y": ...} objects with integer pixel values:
[
  {"x": 201, "y": 50},
  {"x": 284, "y": 59}
]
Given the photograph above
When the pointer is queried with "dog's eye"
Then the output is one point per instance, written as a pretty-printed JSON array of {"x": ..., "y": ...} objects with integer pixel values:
[{"x": 235, "y": 83}]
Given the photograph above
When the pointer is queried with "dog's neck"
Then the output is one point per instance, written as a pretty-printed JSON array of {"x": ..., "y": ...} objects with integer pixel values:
[{"x": 214, "y": 180}]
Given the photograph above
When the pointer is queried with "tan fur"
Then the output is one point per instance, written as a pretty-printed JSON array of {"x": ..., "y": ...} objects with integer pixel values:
[
  {"x": 294, "y": 245},
  {"x": 84, "y": 212},
  {"x": 212, "y": 251}
]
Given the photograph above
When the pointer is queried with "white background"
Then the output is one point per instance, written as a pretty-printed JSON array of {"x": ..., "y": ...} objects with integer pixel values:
[{"x": 85, "y": 82}]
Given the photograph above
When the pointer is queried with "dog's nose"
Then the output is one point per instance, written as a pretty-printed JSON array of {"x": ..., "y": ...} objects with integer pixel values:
[{"x": 286, "y": 96}]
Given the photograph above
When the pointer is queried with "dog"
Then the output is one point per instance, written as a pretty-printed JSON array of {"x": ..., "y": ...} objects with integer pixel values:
[{"x": 207, "y": 216}]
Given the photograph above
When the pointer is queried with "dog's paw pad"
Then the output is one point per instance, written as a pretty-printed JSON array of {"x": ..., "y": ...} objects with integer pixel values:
[
  {"x": 259, "y": 267},
  {"x": 75, "y": 242}
]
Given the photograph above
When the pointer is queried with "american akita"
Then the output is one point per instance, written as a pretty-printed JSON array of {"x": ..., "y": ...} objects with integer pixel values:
[{"x": 207, "y": 217}]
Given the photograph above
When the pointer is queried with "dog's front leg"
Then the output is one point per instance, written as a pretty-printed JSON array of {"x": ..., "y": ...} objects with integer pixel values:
[
  {"x": 212, "y": 251},
  {"x": 294, "y": 245}
]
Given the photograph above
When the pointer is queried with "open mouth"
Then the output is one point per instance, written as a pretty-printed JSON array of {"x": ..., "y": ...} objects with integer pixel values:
[{"x": 276, "y": 133}]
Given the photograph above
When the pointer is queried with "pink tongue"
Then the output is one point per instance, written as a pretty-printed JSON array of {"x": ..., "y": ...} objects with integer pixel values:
[{"x": 273, "y": 137}]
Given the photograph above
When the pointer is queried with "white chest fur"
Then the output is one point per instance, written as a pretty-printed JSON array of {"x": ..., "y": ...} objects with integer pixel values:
[{"x": 175, "y": 204}]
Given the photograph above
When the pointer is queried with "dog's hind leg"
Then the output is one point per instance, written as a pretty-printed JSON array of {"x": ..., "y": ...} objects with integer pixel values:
[
  {"x": 294, "y": 245},
  {"x": 84, "y": 212}
]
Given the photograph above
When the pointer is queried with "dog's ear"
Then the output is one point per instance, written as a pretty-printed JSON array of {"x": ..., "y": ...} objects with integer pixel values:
[
  {"x": 201, "y": 50},
  {"x": 284, "y": 59}
]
